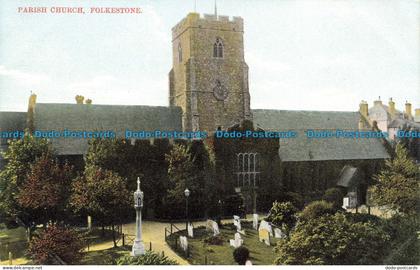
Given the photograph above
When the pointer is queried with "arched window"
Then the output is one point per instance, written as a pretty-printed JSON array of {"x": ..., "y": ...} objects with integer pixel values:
[
  {"x": 218, "y": 48},
  {"x": 179, "y": 52}
]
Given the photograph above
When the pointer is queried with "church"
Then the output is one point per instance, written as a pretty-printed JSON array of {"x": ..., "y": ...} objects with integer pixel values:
[{"x": 209, "y": 90}]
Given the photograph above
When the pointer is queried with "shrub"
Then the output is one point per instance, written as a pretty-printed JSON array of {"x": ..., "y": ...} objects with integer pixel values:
[
  {"x": 316, "y": 209},
  {"x": 55, "y": 241},
  {"x": 149, "y": 258},
  {"x": 334, "y": 239},
  {"x": 334, "y": 195},
  {"x": 214, "y": 240},
  {"x": 282, "y": 214},
  {"x": 241, "y": 255}
]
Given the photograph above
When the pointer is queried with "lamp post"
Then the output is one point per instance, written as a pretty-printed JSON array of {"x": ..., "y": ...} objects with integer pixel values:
[
  {"x": 187, "y": 194},
  {"x": 138, "y": 246}
]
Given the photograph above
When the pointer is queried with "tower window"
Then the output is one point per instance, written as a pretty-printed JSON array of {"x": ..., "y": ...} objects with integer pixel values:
[
  {"x": 218, "y": 48},
  {"x": 179, "y": 52}
]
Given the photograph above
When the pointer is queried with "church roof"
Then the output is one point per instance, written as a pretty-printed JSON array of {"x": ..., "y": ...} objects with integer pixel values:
[
  {"x": 91, "y": 117},
  {"x": 10, "y": 121},
  {"x": 303, "y": 149}
]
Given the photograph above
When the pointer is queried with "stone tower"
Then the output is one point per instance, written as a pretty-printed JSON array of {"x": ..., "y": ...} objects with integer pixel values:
[{"x": 209, "y": 76}]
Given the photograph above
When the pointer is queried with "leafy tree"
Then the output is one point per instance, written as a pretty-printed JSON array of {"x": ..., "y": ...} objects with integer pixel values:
[
  {"x": 316, "y": 209},
  {"x": 183, "y": 173},
  {"x": 103, "y": 195},
  {"x": 56, "y": 243},
  {"x": 149, "y": 258},
  {"x": 405, "y": 244},
  {"x": 19, "y": 157},
  {"x": 45, "y": 192},
  {"x": 283, "y": 215},
  {"x": 398, "y": 184},
  {"x": 334, "y": 240}
]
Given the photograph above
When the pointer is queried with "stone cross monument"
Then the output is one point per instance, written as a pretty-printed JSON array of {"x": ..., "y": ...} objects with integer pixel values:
[{"x": 138, "y": 246}]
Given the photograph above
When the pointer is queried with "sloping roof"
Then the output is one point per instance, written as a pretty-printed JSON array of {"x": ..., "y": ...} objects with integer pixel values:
[
  {"x": 349, "y": 176},
  {"x": 403, "y": 123},
  {"x": 304, "y": 149},
  {"x": 10, "y": 121},
  {"x": 118, "y": 118}
]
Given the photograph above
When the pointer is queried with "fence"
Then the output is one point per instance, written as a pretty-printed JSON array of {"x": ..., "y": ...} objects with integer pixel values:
[
  {"x": 122, "y": 239},
  {"x": 172, "y": 239}
]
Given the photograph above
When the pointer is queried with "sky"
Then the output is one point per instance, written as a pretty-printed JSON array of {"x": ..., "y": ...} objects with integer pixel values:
[{"x": 302, "y": 55}]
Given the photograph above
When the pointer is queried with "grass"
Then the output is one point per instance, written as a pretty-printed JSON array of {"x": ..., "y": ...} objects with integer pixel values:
[
  {"x": 260, "y": 253},
  {"x": 13, "y": 240},
  {"x": 106, "y": 256}
]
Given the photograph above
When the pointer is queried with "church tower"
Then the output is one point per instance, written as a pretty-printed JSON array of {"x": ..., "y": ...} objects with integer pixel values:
[{"x": 209, "y": 76}]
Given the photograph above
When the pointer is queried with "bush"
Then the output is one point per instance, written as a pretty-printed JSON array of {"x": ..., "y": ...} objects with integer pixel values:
[
  {"x": 316, "y": 209},
  {"x": 214, "y": 240},
  {"x": 405, "y": 245},
  {"x": 282, "y": 214},
  {"x": 55, "y": 241},
  {"x": 334, "y": 239},
  {"x": 149, "y": 258},
  {"x": 335, "y": 196},
  {"x": 241, "y": 255}
]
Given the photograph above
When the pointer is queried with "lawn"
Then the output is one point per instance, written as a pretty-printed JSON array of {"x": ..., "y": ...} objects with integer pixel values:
[
  {"x": 202, "y": 253},
  {"x": 13, "y": 240},
  {"x": 106, "y": 256}
]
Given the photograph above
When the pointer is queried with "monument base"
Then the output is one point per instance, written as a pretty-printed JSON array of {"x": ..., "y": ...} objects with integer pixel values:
[{"x": 138, "y": 248}]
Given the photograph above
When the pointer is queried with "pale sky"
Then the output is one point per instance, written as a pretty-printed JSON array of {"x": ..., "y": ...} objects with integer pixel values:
[{"x": 302, "y": 54}]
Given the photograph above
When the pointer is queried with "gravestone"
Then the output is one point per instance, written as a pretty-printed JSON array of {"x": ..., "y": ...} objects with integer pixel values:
[
  {"x": 183, "y": 242},
  {"x": 212, "y": 227},
  {"x": 264, "y": 236},
  {"x": 278, "y": 233},
  {"x": 190, "y": 230},
  {"x": 237, "y": 242},
  {"x": 267, "y": 226},
  {"x": 255, "y": 221}
]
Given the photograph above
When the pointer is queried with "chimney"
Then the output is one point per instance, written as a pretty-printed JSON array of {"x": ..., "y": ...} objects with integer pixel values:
[
  {"x": 79, "y": 99},
  {"x": 31, "y": 110},
  {"x": 377, "y": 102},
  {"x": 363, "y": 108},
  {"x": 417, "y": 115},
  {"x": 391, "y": 109},
  {"x": 361, "y": 124},
  {"x": 408, "y": 110}
]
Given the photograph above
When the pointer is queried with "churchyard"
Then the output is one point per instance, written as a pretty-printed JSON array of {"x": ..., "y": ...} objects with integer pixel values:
[{"x": 204, "y": 248}]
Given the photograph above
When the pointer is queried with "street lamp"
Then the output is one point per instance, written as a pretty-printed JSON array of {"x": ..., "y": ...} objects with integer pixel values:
[{"x": 187, "y": 194}]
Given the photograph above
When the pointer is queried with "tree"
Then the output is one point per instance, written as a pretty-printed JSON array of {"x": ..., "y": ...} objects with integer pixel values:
[
  {"x": 19, "y": 157},
  {"x": 184, "y": 173},
  {"x": 398, "y": 184},
  {"x": 316, "y": 209},
  {"x": 149, "y": 258},
  {"x": 56, "y": 243},
  {"x": 45, "y": 192},
  {"x": 103, "y": 195},
  {"x": 334, "y": 240},
  {"x": 283, "y": 215}
]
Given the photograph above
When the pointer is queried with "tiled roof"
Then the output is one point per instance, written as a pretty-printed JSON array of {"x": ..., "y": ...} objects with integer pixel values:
[
  {"x": 92, "y": 117},
  {"x": 304, "y": 149}
]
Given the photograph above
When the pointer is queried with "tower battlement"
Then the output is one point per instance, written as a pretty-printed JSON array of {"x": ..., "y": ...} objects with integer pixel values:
[{"x": 208, "y": 21}]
